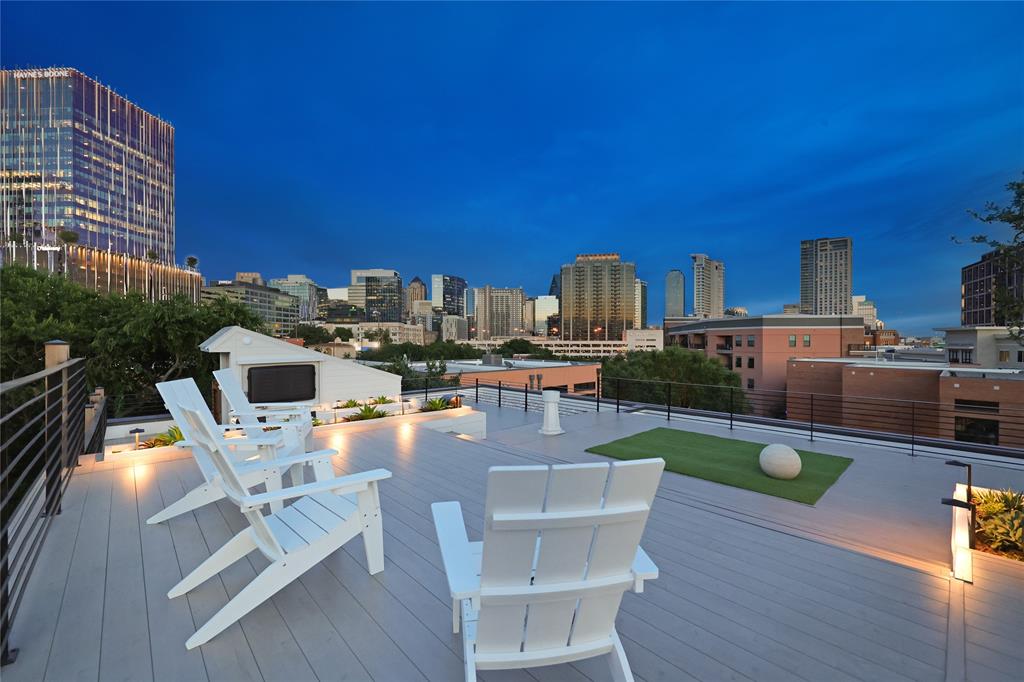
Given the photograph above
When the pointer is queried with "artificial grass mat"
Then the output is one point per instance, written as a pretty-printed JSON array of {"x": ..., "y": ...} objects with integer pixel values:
[{"x": 732, "y": 462}]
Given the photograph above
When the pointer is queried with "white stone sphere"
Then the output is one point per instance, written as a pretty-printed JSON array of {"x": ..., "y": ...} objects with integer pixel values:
[{"x": 780, "y": 461}]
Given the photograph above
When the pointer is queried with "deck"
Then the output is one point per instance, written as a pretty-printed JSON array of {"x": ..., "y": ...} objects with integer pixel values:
[{"x": 743, "y": 595}]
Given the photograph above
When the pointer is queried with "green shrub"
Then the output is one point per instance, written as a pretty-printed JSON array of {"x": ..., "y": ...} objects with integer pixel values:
[
  {"x": 317, "y": 421},
  {"x": 1004, "y": 531},
  {"x": 366, "y": 412},
  {"x": 351, "y": 403},
  {"x": 381, "y": 400},
  {"x": 435, "y": 404},
  {"x": 160, "y": 440}
]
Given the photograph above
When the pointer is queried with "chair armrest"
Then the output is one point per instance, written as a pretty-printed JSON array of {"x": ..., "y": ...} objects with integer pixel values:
[
  {"x": 269, "y": 414},
  {"x": 463, "y": 580},
  {"x": 270, "y": 407},
  {"x": 339, "y": 486},
  {"x": 255, "y": 441},
  {"x": 283, "y": 462},
  {"x": 643, "y": 569}
]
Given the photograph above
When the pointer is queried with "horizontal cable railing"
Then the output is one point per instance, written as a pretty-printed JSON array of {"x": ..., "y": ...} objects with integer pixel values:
[
  {"x": 42, "y": 434},
  {"x": 985, "y": 427}
]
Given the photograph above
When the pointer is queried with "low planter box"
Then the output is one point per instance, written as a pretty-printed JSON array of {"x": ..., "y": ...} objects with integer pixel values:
[{"x": 460, "y": 420}]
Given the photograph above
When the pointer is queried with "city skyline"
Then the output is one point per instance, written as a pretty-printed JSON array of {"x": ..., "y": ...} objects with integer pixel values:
[{"x": 624, "y": 167}]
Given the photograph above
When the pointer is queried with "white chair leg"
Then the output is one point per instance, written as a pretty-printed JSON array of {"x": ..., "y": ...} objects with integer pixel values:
[
  {"x": 233, "y": 550},
  {"x": 469, "y": 651},
  {"x": 617, "y": 661},
  {"x": 194, "y": 499},
  {"x": 372, "y": 528},
  {"x": 264, "y": 586}
]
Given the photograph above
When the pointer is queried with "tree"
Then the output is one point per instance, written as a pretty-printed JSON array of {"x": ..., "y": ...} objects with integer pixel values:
[
  {"x": 343, "y": 333},
  {"x": 696, "y": 381},
  {"x": 68, "y": 236},
  {"x": 1009, "y": 305},
  {"x": 191, "y": 262},
  {"x": 523, "y": 347},
  {"x": 130, "y": 343},
  {"x": 311, "y": 334},
  {"x": 152, "y": 255},
  {"x": 380, "y": 334}
]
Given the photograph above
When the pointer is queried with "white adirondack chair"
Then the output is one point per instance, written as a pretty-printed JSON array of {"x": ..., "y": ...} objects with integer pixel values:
[
  {"x": 323, "y": 517},
  {"x": 259, "y": 457},
  {"x": 561, "y": 546},
  {"x": 293, "y": 418}
]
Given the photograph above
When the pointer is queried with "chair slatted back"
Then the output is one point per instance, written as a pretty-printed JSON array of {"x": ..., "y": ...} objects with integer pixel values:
[
  {"x": 559, "y": 543},
  {"x": 178, "y": 395},
  {"x": 229, "y": 480},
  {"x": 232, "y": 390}
]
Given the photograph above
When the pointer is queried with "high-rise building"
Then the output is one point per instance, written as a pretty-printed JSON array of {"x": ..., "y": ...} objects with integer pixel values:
[
  {"x": 675, "y": 294},
  {"x": 448, "y": 292},
  {"x": 708, "y": 286},
  {"x": 861, "y": 306},
  {"x": 544, "y": 308},
  {"x": 640, "y": 304},
  {"x": 379, "y": 292},
  {"x": 80, "y": 159},
  {"x": 302, "y": 288},
  {"x": 980, "y": 282},
  {"x": 556, "y": 285},
  {"x": 278, "y": 310},
  {"x": 529, "y": 315},
  {"x": 416, "y": 291},
  {"x": 499, "y": 312},
  {"x": 826, "y": 276},
  {"x": 598, "y": 297},
  {"x": 454, "y": 328}
]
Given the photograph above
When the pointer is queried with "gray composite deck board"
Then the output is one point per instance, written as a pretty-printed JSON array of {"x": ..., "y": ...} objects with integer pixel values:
[{"x": 736, "y": 599}]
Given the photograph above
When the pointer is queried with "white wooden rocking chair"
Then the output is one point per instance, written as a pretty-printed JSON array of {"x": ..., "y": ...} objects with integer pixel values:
[
  {"x": 323, "y": 517},
  {"x": 294, "y": 419},
  {"x": 259, "y": 456},
  {"x": 561, "y": 546}
]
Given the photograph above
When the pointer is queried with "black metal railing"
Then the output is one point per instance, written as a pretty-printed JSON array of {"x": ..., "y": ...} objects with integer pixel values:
[
  {"x": 906, "y": 424},
  {"x": 42, "y": 434}
]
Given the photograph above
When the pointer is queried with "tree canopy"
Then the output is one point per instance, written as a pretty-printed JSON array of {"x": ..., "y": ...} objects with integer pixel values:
[
  {"x": 131, "y": 343},
  {"x": 438, "y": 350},
  {"x": 523, "y": 346},
  {"x": 311, "y": 334},
  {"x": 343, "y": 333},
  {"x": 697, "y": 381}
]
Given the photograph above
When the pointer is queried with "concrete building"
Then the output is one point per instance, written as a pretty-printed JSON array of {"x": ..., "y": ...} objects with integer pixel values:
[
  {"x": 737, "y": 311},
  {"x": 399, "y": 332},
  {"x": 633, "y": 339},
  {"x": 862, "y": 307},
  {"x": 675, "y": 294},
  {"x": 302, "y": 288},
  {"x": 640, "y": 304},
  {"x": 278, "y": 310},
  {"x": 379, "y": 292},
  {"x": 826, "y": 276},
  {"x": 544, "y": 308},
  {"x": 757, "y": 348},
  {"x": 985, "y": 347},
  {"x": 517, "y": 374},
  {"x": 250, "y": 278},
  {"x": 454, "y": 328},
  {"x": 790, "y": 308},
  {"x": 499, "y": 311},
  {"x": 598, "y": 298},
  {"x": 980, "y": 282},
  {"x": 448, "y": 293},
  {"x": 708, "y": 286},
  {"x": 927, "y": 399}
]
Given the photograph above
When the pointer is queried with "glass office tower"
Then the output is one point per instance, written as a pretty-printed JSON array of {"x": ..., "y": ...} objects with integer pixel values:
[
  {"x": 448, "y": 292},
  {"x": 379, "y": 291},
  {"x": 78, "y": 158}
]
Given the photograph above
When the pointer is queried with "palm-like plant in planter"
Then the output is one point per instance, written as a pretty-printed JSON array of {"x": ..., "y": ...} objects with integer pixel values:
[
  {"x": 435, "y": 404},
  {"x": 366, "y": 412},
  {"x": 351, "y": 403},
  {"x": 382, "y": 400}
]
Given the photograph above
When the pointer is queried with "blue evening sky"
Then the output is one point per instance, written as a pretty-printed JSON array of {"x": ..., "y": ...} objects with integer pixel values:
[{"x": 496, "y": 141}]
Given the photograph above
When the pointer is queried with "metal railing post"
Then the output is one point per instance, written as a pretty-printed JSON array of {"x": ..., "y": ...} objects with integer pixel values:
[
  {"x": 426, "y": 388},
  {"x": 51, "y": 464},
  {"x": 668, "y": 403},
  {"x": 913, "y": 429},
  {"x": 499, "y": 394},
  {"x": 618, "y": 393},
  {"x": 526, "y": 398},
  {"x": 812, "y": 416},
  {"x": 597, "y": 391},
  {"x": 477, "y": 397},
  {"x": 731, "y": 390}
]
